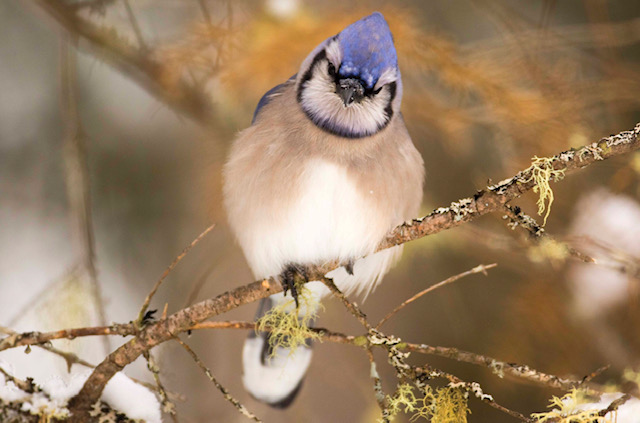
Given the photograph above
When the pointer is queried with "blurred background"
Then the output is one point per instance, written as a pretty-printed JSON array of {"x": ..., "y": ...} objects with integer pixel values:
[{"x": 110, "y": 159}]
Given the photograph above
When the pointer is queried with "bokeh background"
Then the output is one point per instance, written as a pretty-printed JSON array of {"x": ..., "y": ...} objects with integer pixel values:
[{"x": 488, "y": 85}]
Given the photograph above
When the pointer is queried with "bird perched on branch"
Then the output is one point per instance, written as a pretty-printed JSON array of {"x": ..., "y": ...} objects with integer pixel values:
[{"x": 325, "y": 170}]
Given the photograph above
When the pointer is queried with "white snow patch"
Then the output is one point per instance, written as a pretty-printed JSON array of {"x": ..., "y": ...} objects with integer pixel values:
[
  {"x": 629, "y": 412},
  {"x": 121, "y": 393},
  {"x": 131, "y": 398},
  {"x": 611, "y": 220}
]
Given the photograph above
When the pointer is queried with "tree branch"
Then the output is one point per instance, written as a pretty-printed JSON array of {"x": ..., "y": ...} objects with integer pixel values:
[
  {"x": 491, "y": 199},
  {"x": 474, "y": 388},
  {"x": 494, "y": 198},
  {"x": 36, "y": 338}
]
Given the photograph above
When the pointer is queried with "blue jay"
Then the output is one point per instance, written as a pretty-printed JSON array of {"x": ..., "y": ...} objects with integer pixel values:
[{"x": 325, "y": 170}]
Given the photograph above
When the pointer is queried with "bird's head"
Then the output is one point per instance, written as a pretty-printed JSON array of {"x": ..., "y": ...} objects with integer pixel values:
[{"x": 350, "y": 84}]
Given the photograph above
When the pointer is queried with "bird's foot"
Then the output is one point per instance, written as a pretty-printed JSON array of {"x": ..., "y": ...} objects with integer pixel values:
[
  {"x": 349, "y": 266},
  {"x": 292, "y": 279}
]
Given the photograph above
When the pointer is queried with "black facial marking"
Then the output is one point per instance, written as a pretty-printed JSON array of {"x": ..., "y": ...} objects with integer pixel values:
[
  {"x": 309, "y": 73},
  {"x": 392, "y": 95}
]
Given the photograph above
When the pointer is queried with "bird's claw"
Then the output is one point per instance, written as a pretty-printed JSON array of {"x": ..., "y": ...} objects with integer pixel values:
[
  {"x": 349, "y": 267},
  {"x": 291, "y": 278}
]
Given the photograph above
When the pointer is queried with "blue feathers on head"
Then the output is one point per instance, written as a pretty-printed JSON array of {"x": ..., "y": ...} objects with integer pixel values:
[{"x": 367, "y": 49}]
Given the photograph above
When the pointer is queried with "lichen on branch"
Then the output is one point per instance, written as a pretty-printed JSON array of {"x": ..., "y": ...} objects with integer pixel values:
[
  {"x": 289, "y": 325},
  {"x": 542, "y": 172}
]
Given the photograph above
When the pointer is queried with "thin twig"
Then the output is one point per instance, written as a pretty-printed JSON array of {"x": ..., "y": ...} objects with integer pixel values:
[
  {"x": 75, "y": 272},
  {"x": 224, "y": 325},
  {"x": 168, "y": 270},
  {"x": 205, "y": 12},
  {"x": 498, "y": 367},
  {"x": 351, "y": 306},
  {"x": 379, "y": 394},
  {"x": 92, "y": 5},
  {"x": 478, "y": 269},
  {"x": 518, "y": 218},
  {"x": 625, "y": 265},
  {"x": 197, "y": 286},
  {"x": 470, "y": 387},
  {"x": 35, "y": 338},
  {"x": 167, "y": 406},
  {"x": 24, "y": 385},
  {"x": 615, "y": 404},
  {"x": 241, "y": 408},
  {"x": 588, "y": 378},
  {"x": 135, "y": 26}
]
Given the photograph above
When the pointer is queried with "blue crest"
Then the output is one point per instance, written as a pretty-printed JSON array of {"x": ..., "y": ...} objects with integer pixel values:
[{"x": 367, "y": 49}]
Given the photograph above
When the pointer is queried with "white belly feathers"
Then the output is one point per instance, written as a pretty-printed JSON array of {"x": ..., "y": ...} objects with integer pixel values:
[{"x": 329, "y": 219}]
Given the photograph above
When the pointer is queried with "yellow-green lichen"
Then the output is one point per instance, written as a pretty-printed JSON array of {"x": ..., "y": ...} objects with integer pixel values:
[
  {"x": 441, "y": 405},
  {"x": 288, "y": 324},
  {"x": 444, "y": 405},
  {"x": 567, "y": 410},
  {"x": 542, "y": 172},
  {"x": 403, "y": 400}
]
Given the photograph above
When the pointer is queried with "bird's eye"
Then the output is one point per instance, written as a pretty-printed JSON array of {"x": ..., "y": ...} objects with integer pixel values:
[{"x": 332, "y": 69}]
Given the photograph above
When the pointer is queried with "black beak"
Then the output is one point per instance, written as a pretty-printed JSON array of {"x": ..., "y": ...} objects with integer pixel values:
[{"x": 350, "y": 90}]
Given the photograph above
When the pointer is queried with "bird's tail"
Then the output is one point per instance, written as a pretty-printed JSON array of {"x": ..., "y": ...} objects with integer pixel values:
[{"x": 273, "y": 375}]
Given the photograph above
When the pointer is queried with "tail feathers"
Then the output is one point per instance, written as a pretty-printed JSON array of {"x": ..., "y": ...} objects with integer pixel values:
[
  {"x": 275, "y": 379},
  {"x": 273, "y": 376}
]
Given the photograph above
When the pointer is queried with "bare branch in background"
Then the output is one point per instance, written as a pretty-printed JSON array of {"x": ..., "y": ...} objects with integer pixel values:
[
  {"x": 168, "y": 270},
  {"x": 625, "y": 265},
  {"x": 185, "y": 98},
  {"x": 478, "y": 269},
  {"x": 135, "y": 26},
  {"x": 77, "y": 177},
  {"x": 205, "y": 12},
  {"x": 225, "y": 393}
]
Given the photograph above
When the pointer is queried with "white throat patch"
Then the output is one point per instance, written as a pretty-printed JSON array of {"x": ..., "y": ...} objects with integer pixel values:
[{"x": 324, "y": 107}]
